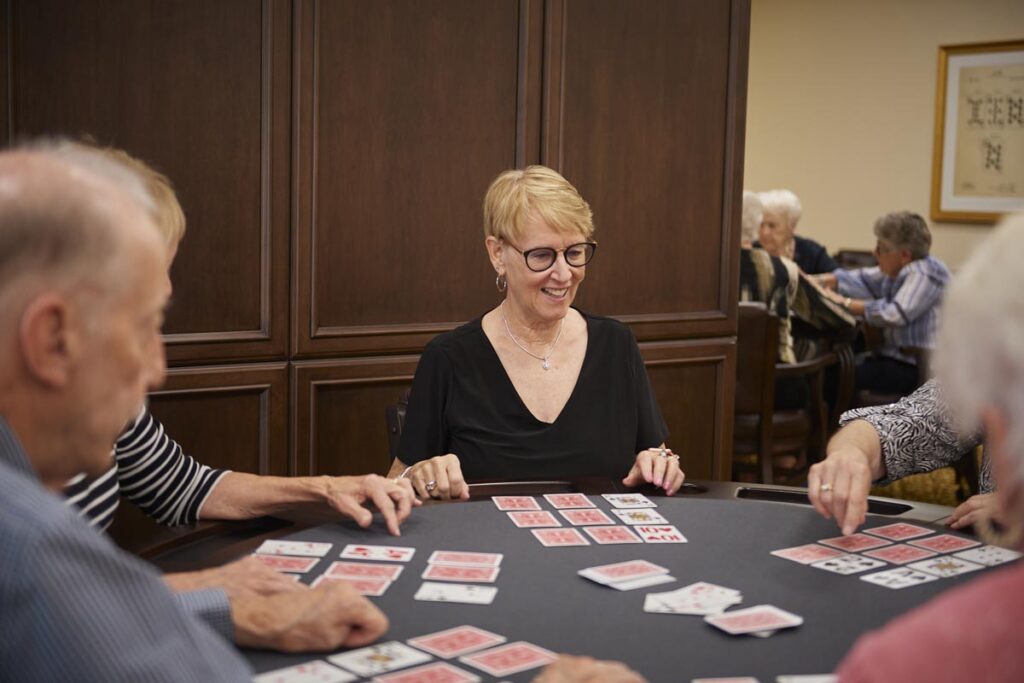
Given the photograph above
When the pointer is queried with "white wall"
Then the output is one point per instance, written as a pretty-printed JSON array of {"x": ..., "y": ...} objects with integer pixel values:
[{"x": 841, "y": 106}]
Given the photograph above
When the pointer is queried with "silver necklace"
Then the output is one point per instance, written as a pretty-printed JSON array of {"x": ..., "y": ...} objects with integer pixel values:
[{"x": 543, "y": 359}]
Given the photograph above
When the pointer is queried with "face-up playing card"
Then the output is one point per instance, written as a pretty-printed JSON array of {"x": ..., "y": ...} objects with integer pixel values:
[
  {"x": 854, "y": 543},
  {"x": 516, "y": 503},
  {"x": 467, "y": 559},
  {"x": 759, "y": 618},
  {"x": 533, "y": 518},
  {"x": 559, "y": 537},
  {"x": 283, "y": 563},
  {"x": 363, "y": 570},
  {"x": 699, "y": 598},
  {"x": 566, "y": 501},
  {"x": 945, "y": 543},
  {"x": 901, "y": 577},
  {"x": 379, "y": 659},
  {"x": 628, "y": 500},
  {"x": 900, "y": 554},
  {"x": 639, "y": 516},
  {"x": 900, "y": 531},
  {"x": 456, "y": 592},
  {"x": 586, "y": 517},
  {"x": 945, "y": 566},
  {"x": 807, "y": 554},
  {"x": 316, "y": 671},
  {"x": 606, "y": 535},
  {"x": 848, "y": 564},
  {"x": 389, "y": 553},
  {"x": 659, "y": 534},
  {"x": 438, "y": 672},
  {"x": 454, "y": 572},
  {"x": 373, "y": 587},
  {"x": 989, "y": 555},
  {"x": 510, "y": 659},
  {"x": 622, "y": 571},
  {"x": 294, "y": 548},
  {"x": 456, "y": 641}
]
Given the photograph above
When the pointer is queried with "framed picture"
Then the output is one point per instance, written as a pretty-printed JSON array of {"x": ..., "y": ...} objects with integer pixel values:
[{"x": 978, "y": 162}]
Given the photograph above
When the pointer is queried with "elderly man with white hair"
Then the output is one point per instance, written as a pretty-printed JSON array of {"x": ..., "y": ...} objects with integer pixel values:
[
  {"x": 973, "y": 632},
  {"x": 782, "y": 212}
]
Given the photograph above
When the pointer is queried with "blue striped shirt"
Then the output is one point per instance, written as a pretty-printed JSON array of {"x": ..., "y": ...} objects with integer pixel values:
[
  {"x": 74, "y": 607},
  {"x": 906, "y": 307}
]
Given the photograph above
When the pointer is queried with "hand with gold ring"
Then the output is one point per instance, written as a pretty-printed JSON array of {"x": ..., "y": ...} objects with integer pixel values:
[
  {"x": 439, "y": 478},
  {"x": 839, "y": 485},
  {"x": 658, "y": 466}
]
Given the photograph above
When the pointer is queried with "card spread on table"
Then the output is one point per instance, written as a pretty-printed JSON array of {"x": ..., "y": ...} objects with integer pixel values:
[
  {"x": 294, "y": 548},
  {"x": 437, "y": 672},
  {"x": 854, "y": 543},
  {"x": 901, "y": 531},
  {"x": 465, "y": 559},
  {"x": 533, "y": 518},
  {"x": 516, "y": 503},
  {"x": 389, "y": 553},
  {"x": 457, "y": 641},
  {"x": 639, "y": 516},
  {"x": 900, "y": 554},
  {"x": 469, "y": 594},
  {"x": 753, "y": 619},
  {"x": 559, "y": 537},
  {"x": 316, "y": 671},
  {"x": 699, "y": 598},
  {"x": 567, "y": 501},
  {"x": 848, "y": 564},
  {"x": 455, "y": 572},
  {"x": 379, "y": 659},
  {"x": 659, "y": 534},
  {"x": 989, "y": 555},
  {"x": 373, "y": 587},
  {"x": 510, "y": 659},
  {"x": 946, "y": 543},
  {"x": 283, "y": 563},
  {"x": 608, "y": 574},
  {"x": 606, "y": 535},
  {"x": 901, "y": 577},
  {"x": 628, "y": 500},
  {"x": 363, "y": 570},
  {"x": 586, "y": 517},
  {"x": 807, "y": 554},
  {"x": 945, "y": 566}
]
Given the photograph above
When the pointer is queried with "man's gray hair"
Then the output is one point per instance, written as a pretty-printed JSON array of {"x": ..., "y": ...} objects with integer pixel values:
[
  {"x": 753, "y": 212},
  {"x": 783, "y": 203},
  {"x": 905, "y": 230}
]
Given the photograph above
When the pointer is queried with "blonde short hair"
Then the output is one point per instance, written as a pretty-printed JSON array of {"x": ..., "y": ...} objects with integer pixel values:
[
  {"x": 782, "y": 202},
  {"x": 515, "y": 194},
  {"x": 166, "y": 213}
]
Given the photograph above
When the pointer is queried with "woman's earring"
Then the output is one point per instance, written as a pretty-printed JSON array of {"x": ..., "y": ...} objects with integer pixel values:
[{"x": 501, "y": 282}]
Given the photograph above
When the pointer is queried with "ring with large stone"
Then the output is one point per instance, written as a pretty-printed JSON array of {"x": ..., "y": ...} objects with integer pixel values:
[
  {"x": 663, "y": 453},
  {"x": 825, "y": 488},
  {"x": 430, "y": 486}
]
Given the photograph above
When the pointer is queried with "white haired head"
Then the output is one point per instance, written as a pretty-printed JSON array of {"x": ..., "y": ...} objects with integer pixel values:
[
  {"x": 753, "y": 212},
  {"x": 784, "y": 204}
]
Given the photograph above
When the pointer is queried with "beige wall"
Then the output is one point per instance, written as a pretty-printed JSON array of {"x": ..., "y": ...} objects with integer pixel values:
[{"x": 841, "y": 106}]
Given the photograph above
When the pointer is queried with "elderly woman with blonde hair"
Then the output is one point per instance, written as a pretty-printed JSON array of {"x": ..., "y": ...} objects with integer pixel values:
[
  {"x": 534, "y": 387},
  {"x": 782, "y": 212}
]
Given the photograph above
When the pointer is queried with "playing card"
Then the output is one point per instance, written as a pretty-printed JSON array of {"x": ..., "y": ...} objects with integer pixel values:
[
  {"x": 900, "y": 531},
  {"x": 316, "y": 671},
  {"x": 945, "y": 567},
  {"x": 900, "y": 554},
  {"x": 565, "y": 501},
  {"x": 751, "y": 619},
  {"x": 363, "y": 570},
  {"x": 510, "y": 659},
  {"x": 901, "y": 577},
  {"x": 283, "y": 563},
  {"x": 659, "y": 534},
  {"x": 586, "y": 517},
  {"x": 533, "y": 518},
  {"x": 467, "y": 559},
  {"x": 379, "y": 659},
  {"x": 628, "y": 500},
  {"x": 559, "y": 537},
  {"x": 438, "y": 672},
  {"x": 945, "y": 543},
  {"x": 988, "y": 555},
  {"x": 855, "y": 542},
  {"x": 294, "y": 548},
  {"x": 639, "y": 516},
  {"x": 454, "y": 572},
  {"x": 456, "y": 592},
  {"x": 456, "y": 641},
  {"x": 611, "y": 534},
  {"x": 622, "y": 571},
  {"x": 516, "y": 503},
  {"x": 390, "y": 553},
  {"x": 807, "y": 554},
  {"x": 365, "y": 586},
  {"x": 848, "y": 564},
  {"x": 699, "y": 598}
]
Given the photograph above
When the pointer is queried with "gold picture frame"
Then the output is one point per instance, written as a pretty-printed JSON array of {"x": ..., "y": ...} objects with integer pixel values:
[{"x": 978, "y": 158}]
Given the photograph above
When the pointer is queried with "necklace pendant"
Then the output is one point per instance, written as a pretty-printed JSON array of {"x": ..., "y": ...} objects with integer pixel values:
[{"x": 545, "y": 364}]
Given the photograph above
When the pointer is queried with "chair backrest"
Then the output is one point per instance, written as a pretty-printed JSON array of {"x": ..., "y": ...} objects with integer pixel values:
[
  {"x": 855, "y": 258},
  {"x": 394, "y": 415},
  {"x": 757, "y": 346}
]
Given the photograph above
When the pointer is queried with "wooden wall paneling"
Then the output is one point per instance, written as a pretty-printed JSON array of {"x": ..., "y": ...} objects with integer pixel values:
[
  {"x": 338, "y": 413},
  {"x": 200, "y": 90},
  {"x": 406, "y": 111}
]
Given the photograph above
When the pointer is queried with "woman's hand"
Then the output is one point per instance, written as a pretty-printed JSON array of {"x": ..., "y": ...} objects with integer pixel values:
[
  {"x": 975, "y": 507},
  {"x": 658, "y": 466},
  {"x": 439, "y": 478}
]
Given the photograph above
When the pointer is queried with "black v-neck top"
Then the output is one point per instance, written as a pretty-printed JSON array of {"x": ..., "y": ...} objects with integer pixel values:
[{"x": 463, "y": 402}]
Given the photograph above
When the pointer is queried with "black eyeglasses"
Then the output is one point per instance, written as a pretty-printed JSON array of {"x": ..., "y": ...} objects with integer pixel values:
[{"x": 540, "y": 259}]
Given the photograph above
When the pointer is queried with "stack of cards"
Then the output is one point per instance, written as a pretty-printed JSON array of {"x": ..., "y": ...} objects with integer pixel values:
[
  {"x": 368, "y": 578},
  {"x": 510, "y": 659},
  {"x": 698, "y": 599},
  {"x": 761, "y": 620},
  {"x": 460, "y": 566},
  {"x": 626, "y": 576},
  {"x": 296, "y": 557}
]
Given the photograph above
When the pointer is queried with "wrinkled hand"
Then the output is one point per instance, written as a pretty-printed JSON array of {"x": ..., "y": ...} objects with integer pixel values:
[
  {"x": 972, "y": 509},
  {"x": 321, "y": 619},
  {"x": 393, "y": 497},
  {"x": 848, "y": 474},
  {"x": 242, "y": 578},
  {"x": 445, "y": 472},
  {"x": 570, "y": 669},
  {"x": 827, "y": 281},
  {"x": 652, "y": 468}
]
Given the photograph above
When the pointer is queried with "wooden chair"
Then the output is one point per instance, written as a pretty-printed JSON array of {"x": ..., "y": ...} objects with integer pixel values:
[{"x": 759, "y": 430}]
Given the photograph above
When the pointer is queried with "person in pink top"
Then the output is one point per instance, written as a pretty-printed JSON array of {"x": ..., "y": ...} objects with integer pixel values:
[{"x": 973, "y": 632}]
